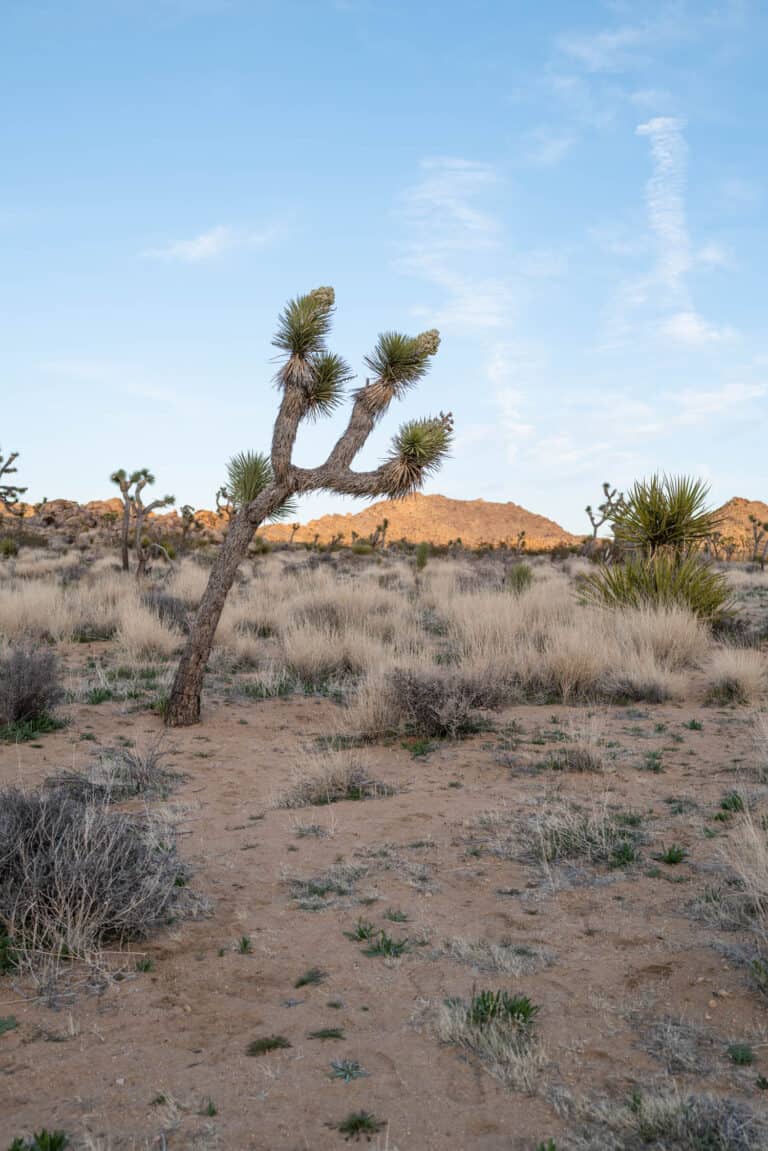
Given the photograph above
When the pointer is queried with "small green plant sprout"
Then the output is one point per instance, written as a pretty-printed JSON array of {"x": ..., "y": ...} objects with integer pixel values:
[
  {"x": 267, "y": 1043},
  {"x": 421, "y": 555},
  {"x": 741, "y": 1054},
  {"x": 244, "y": 945},
  {"x": 672, "y": 855},
  {"x": 346, "y": 1070},
  {"x": 486, "y": 1007},
  {"x": 327, "y": 1033},
  {"x": 311, "y": 977},
  {"x": 652, "y": 762},
  {"x": 8, "y": 1023},
  {"x": 394, "y": 915},
  {"x": 519, "y": 578},
  {"x": 42, "y": 1141},
  {"x": 694, "y": 725},
  {"x": 362, "y": 931},
  {"x": 731, "y": 802},
  {"x": 550, "y": 1145},
  {"x": 623, "y": 854},
  {"x": 761, "y": 1083},
  {"x": 387, "y": 946},
  {"x": 359, "y": 1125},
  {"x": 209, "y": 1108},
  {"x": 144, "y": 964}
]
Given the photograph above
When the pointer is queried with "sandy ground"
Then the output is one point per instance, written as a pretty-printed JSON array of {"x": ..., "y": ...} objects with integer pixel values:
[{"x": 136, "y": 1064}]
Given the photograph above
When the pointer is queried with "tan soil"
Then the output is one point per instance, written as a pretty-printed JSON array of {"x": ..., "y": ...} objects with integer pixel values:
[{"x": 625, "y": 946}]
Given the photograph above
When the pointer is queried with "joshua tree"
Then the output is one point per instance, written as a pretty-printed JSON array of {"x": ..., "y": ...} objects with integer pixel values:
[
  {"x": 294, "y": 529},
  {"x": 759, "y": 540},
  {"x": 125, "y": 482},
  {"x": 311, "y": 380},
  {"x": 379, "y": 535},
  {"x": 133, "y": 506},
  {"x": 9, "y": 493},
  {"x": 140, "y": 512},
  {"x": 610, "y": 507},
  {"x": 224, "y": 509}
]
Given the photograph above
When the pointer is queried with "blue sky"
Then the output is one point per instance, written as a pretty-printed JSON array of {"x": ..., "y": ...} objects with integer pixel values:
[{"x": 573, "y": 192}]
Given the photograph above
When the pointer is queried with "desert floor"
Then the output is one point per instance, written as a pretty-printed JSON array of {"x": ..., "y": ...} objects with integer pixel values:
[{"x": 640, "y": 960}]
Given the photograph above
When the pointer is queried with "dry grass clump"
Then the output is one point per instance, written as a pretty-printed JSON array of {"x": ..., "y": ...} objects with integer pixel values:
[
  {"x": 120, "y": 773},
  {"x": 736, "y": 675},
  {"x": 442, "y": 702},
  {"x": 499, "y": 1028},
  {"x": 567, "y": 832},
  {"x": 141, "y": 634},
  {"x": 746, "y": 853},
  {"x": 761, "y": 745},
  {"x": 331, "y": 778},
  {"x": 29, "y": 685},
  {"x": 669, "y": 1120},
  {"x": 585, "y": 750},
  {"x": 188, "y": 582},
  {"x": 75, "y": 875},
  {"x": 496, "y": 958}
]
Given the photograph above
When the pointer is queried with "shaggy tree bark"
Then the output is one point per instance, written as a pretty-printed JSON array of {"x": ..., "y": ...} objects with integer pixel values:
[{"x": 312, "y": 380}]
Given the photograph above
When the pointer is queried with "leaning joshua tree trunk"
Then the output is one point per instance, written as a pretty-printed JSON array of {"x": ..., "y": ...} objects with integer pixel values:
[{"x": 312, "y": 380}]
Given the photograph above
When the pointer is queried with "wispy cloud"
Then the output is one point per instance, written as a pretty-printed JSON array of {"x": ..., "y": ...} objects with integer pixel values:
[
  {"x": 209, "y": 245},
  {"x": 663, "y": 297},
  {"x": 448, "y": 231},
  {"x": 665, "y": 201},
  {"x": 546, "y": 147}
]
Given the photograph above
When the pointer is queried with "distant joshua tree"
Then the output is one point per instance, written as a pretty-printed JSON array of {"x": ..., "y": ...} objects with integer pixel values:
[
  {"x": 294, "y": 529},
  {"x": 131, "y": 486},
  {"x": 607, "y": 510},
  {"x": 759, "y": 541},
  {"x": 141, "y": 513},
  {"x": 9, "y": 493},
  {"x": 311, "y": 380}
]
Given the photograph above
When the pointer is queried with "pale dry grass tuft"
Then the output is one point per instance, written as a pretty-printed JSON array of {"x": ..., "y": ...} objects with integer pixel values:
[
  {"x": 736, "y": 675},
  {"x": 511, "y": 1053}
]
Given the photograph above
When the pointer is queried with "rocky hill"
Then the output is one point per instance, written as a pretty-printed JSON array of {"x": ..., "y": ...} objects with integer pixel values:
[{"x": 437, "y": 520}]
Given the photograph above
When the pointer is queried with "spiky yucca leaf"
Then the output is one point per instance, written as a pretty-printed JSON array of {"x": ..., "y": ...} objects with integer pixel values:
[
  {"x": 418, "y": 449},
  {"x": 325, "y": 387},
  {"x": 248, "y": 474},
  {"x": 397, "y": 362},
  {"x": 659, "y": 580},
  {"x": 665, "y": 512},
  {"x": 305, "y": 322}
]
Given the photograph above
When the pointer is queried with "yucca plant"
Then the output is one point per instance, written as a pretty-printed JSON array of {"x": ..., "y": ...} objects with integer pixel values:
[
  {"x": 312, "y": 380},
  {"x": 663, "y": 513},
  {"x": 659, "y": 528},
  {"x": 663, "y": 579}
]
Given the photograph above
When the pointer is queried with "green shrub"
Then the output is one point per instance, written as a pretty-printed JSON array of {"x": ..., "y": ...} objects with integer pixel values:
[
  {"x": 664, "y": 512},
  {"x": 422, "y": 555},
  {"x": 8, "y": 547},
  {"x": 662, "y": 580},
  {"x": 519, "y": 578},
  {"x": 361, "y": 549}
]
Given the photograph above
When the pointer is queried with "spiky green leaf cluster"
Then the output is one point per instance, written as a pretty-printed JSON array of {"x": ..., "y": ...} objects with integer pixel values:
[
  {"x": 399, "y": 361},
  {"x": 325, "y": 385},
  {"x": 661, "y": 580},
  {"x": 664, "y": 512},
  {"x": 248, "y": 474},
  {"x": 304, "y": 324},
  {"x": 418, "y": 449}
]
